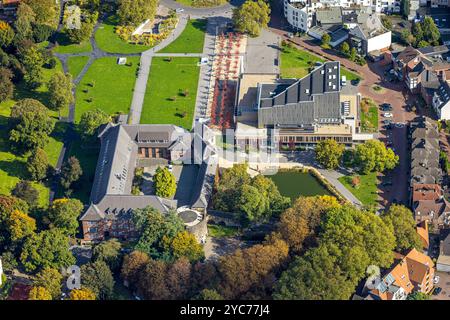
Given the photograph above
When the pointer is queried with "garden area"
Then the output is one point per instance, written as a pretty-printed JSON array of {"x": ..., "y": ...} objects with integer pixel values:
[
  {"x": 171, "y": 91},
  {"x": 369, "y": 115},
  {"x": 220, "y": 231},
  {"x": 363, "y": 187},
  {"x": 297, "y": 63},
  {"x": 101, "y": 80},
  {"x": 191, "y": 39}
]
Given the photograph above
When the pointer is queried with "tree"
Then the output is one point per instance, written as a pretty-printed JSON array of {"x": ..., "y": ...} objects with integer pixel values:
[
  {"x": 314, "y": 276},
  {"x": 79, "y": 35},
  {"x": 268, "y": 188},
  {"x": 70, "y": 172},
  {"x": 8, "y": 205},
  {"x": 373, "y": 156},
  {"x": 417, "y": 295},
  {"x": 246, "y": 269},
  {"x": 31, "y": 124},
  {"x": 134, "y": 12},
  {"x": 345, "y": 48},
  {"x": 81, "y": 294},
  {"x": 109, "y": 252},
  {"x": 404, "y": 226},
  {"x": 386, "y": 21},
  {"x": 186, "y": 245},
  {"x": 6, "y": 84},
  {"x": 32, "y": 60},
  {"x": 6, "y": 34},
  {"x": 156, "y": 230},
  {"x": 20, "y": 225},
  {"x": 133, "y": 265},
  {"x": 49, "y": 248},
  {"x": 430, "y": 31},
  {"x": 251, "y": 17},
  {"x": 405, "y": 8},
  {"x": 353, "y": 54},
  {"x": 209, "y": 294},
  {"x": 98, "y": 278},
  {"x": 9, "y": 261},
  {"x": 326, "y": 39},
  {"x": 299, "y": 225},
  {"x": 358, "y": 239},
  {"x": 50, "y": 279},
  {"x": 39, "y": 293},
  {"x": 165, "y": 183},
  {"x": 407, "y": 37},
  {"x": 46, "y": 11},
  {"x": 329, "y": 153},
  {"x": 41, "y": 32},
  {"x": 24, "y": 22},
  {"x": 63, "y": 214},
  {"x": 60, "y": 89},
  {"x": 38, "y": 164},
  {"x": 90, "y": 121},
  {"x": 25, "y": 191}
]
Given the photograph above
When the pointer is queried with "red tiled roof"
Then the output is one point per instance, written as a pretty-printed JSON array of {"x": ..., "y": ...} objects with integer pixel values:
[{"x": 426, "y": 192}]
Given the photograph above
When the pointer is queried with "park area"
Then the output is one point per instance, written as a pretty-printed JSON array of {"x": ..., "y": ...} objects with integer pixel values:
[
  {"x": 104, "y": 78},
  {"x": 171, "y": 91},
  {"x": 363, "y": 187},
  {"x": 191, "y": 40},
  {"x": 109, "y": 41},
  {"x": 76, "y": 64},
  {"x": 65, "y": 46},
  {"x": 297, "y": 63}
]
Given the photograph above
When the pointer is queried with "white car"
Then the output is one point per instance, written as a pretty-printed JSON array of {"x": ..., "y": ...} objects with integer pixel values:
[
  {"x": 436, "y": 280},
  {"x": 387, "y": 115},
  {"x": 179, "y": 10},
  {"x": 170, "y": 167}
]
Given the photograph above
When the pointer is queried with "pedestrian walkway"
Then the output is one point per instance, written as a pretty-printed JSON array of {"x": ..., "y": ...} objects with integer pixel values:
[{"x": 144, "y": 71}]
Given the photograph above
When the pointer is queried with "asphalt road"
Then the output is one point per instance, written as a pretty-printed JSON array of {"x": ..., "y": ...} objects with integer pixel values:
[{"x": 225, "y": 10}]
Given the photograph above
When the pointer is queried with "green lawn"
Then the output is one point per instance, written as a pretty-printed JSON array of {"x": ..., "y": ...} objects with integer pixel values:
[
  {"x": 218, "y": 231},
  {"x": 366, "y": 192},
  {"x": 191, "y": 39},
  {"x": 109, "y": 41},
  {"x": 202, "y": 3},
  {"x": 295, "y": 63},
  {"x": 113, "y": 86},
  {"x": 13, "y": 167},
  {"x": 66, "y": 46},
  {"x": 369, "y": 120},
  {"x": 164, "y": 102},
  {"x": 76, "y": 64},
  {"x": 87, "y": 155}
]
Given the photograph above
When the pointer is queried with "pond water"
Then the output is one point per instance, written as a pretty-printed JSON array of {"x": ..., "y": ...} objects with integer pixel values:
[{"x": 294, "y": 184}]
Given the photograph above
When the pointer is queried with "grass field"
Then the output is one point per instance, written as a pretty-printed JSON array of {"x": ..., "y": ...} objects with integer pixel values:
[
  {"x": 13, "y": 167},
  {"x": 366, "y": 192},
  {"x": 164, "y": 100},
  {"x": 218, "y": 231},
  {"x": 191, "y": 39},
  {"x": 109, "y": 41},
  {"x": 76, "y": 64},
  {"x": 66, "y": 46},
  {"x": 295, "y": 63},
  {"x": 113, "y": 86},
  {"x": 369, "y": 119}
]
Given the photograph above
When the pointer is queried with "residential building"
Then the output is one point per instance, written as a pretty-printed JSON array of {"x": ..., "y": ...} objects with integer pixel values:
[
  {"x": 413, "y": 272},
  {"x": 127, "y": 147},
  {"x": 425, "y": 166},
  {"x": 443, "y": 261},
  {"x": 298, "y": 111}
]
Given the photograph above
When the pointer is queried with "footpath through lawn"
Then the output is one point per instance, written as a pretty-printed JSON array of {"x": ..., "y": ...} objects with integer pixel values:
[
  {"x": 171, "y": 91},
  {"x": 107, "y": 86},
  {"x": 191, "y": 40}
]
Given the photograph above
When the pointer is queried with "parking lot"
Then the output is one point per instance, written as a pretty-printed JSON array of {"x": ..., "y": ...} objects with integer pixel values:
[{"x": 444, "y": 283}]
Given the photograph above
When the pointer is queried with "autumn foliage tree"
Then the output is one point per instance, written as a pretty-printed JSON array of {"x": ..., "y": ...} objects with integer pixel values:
[
  {"x": 329, "y": 153},
  {"x": 165, "y": 183},
  {"x": 39, "y": 293},
  {"x": 6, "y": 34},
  {"x": 186, "y": 245},
  {"x": 81, "y": 294},
  {"x": 251, "y": 17}
]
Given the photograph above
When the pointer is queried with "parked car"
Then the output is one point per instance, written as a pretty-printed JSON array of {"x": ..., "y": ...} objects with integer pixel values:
[
  {"x": 436, "y": 279},
  {"x": 387, "y": 121},
  {"x": 388, "y": 115},
  {"x": 290, "y": 35},
  {"x": 436, "y": 291},
  {"x": 170, "y": 167},
  {"x": 355, "y": 82},
  {"x": 386, "y": 107},
  {"x": 179, "y": 10}
]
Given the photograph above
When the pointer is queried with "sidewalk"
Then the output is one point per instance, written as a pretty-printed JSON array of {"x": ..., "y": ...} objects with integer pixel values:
[{"x": 144, "y": 71}]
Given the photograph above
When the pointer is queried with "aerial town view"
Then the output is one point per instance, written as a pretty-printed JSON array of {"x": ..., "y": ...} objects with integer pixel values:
[{"x": 195, "y": 150}]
